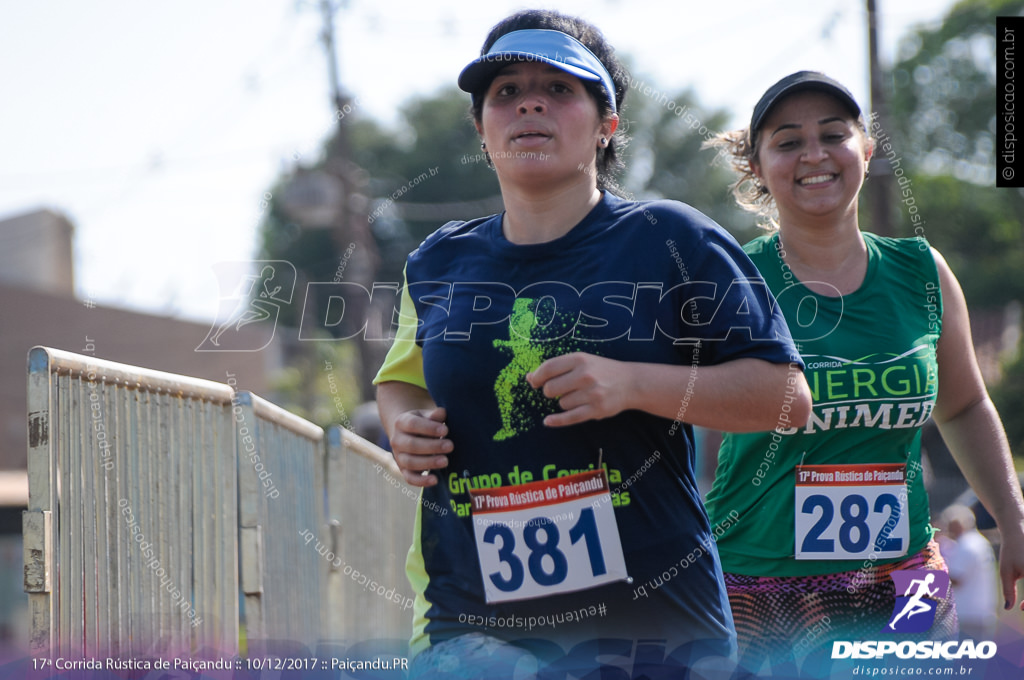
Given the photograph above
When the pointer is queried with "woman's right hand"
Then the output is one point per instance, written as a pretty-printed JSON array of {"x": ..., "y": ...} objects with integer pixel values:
[{"x": 419, "y": 443}]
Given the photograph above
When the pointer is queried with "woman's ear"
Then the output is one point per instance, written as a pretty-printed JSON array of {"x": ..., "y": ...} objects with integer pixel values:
[
  {"x": 869, "y": 149},
  {"x": 755, "y": 167},
  {"x": 610, "y": 125}
]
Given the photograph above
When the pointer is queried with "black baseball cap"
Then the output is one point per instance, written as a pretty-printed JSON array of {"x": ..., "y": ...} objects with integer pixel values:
[{"x": 800, "y": 82}]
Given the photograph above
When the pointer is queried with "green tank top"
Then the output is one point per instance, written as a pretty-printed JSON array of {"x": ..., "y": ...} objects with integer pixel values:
[{"x": 871, "y": 366}]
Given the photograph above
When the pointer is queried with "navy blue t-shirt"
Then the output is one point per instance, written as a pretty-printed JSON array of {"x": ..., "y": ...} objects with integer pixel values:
[{"x": 653, "y": 282}]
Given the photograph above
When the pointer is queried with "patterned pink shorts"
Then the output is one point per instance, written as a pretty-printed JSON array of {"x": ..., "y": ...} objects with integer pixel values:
[{"x": 780, "y": 616}]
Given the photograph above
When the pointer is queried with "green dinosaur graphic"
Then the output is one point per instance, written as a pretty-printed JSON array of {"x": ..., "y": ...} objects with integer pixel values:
[
  {"x": 537, "y": 330},
  {"x": 526, "y": 356}
]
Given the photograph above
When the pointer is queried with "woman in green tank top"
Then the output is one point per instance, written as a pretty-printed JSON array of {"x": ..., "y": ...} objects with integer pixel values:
[{"x": 829, "y": 510}]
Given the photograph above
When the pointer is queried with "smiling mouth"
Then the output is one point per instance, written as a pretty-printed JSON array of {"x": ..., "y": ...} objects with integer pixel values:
[{"x": 816, "y": 179}]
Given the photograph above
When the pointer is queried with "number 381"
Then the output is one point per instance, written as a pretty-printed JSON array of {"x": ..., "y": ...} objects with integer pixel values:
[{"x": 585, "y": 528}]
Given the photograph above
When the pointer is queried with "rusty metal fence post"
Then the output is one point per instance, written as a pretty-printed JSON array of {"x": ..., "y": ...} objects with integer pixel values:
[
  {"x": 281, "y": 514},
  {"x": 371, "y": 511}
]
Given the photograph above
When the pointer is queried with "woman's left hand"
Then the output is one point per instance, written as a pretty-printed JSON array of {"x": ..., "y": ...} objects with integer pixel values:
[
  {"x": 1011, "y": 564},
  {"x": 587, "y": 387}
]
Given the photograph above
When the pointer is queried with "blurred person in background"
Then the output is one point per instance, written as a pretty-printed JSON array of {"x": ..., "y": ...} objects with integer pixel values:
[{"x": 972, "y": 572}]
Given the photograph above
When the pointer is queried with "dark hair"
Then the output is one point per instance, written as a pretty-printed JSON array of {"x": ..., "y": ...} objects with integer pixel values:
[{"x": 608, "y": 162}]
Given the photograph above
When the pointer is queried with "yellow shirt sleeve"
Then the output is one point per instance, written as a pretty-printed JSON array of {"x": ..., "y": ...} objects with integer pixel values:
[{"x": 404, "y": 362}]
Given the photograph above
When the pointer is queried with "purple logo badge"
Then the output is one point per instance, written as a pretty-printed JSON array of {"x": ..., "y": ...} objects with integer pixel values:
[{"x": 917, "y": 595}]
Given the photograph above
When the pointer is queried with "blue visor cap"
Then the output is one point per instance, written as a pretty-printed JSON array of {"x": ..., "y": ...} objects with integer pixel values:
[{"x": 549, "y": 47}]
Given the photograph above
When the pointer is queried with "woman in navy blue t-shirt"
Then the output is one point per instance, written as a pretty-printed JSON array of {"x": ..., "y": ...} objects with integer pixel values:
[{"x": 548, "y": 368}]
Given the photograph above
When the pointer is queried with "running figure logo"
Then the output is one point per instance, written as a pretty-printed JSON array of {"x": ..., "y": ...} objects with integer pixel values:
[
  {"x": 520, "y": 406},
  {"x": 526, "y": 356},
  {"x": 253, "y": 298},
  {"x": 914, "y": 611}
]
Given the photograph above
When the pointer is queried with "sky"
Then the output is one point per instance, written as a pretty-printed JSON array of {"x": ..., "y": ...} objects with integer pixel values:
[{"x": 158, "y": 128}]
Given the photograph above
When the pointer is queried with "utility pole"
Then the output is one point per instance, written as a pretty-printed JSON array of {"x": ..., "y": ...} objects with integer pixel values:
[
  {"x": 338, "y": 99},
  {"x": 327, "y": 9},
  {"x": 351, "y": 233},
  {"x": 879, "y": 186}
]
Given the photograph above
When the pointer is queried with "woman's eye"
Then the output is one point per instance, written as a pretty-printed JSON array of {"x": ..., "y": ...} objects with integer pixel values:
[{"x": 506, "y": 89}]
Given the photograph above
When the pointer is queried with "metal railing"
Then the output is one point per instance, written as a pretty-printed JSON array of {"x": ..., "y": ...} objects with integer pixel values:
[
  {"x": 371, "y": 512},
  {"x": 130, "y": 532},
  {"x": 154, "y": 499},
  {"x": 281, "y": 498}
]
